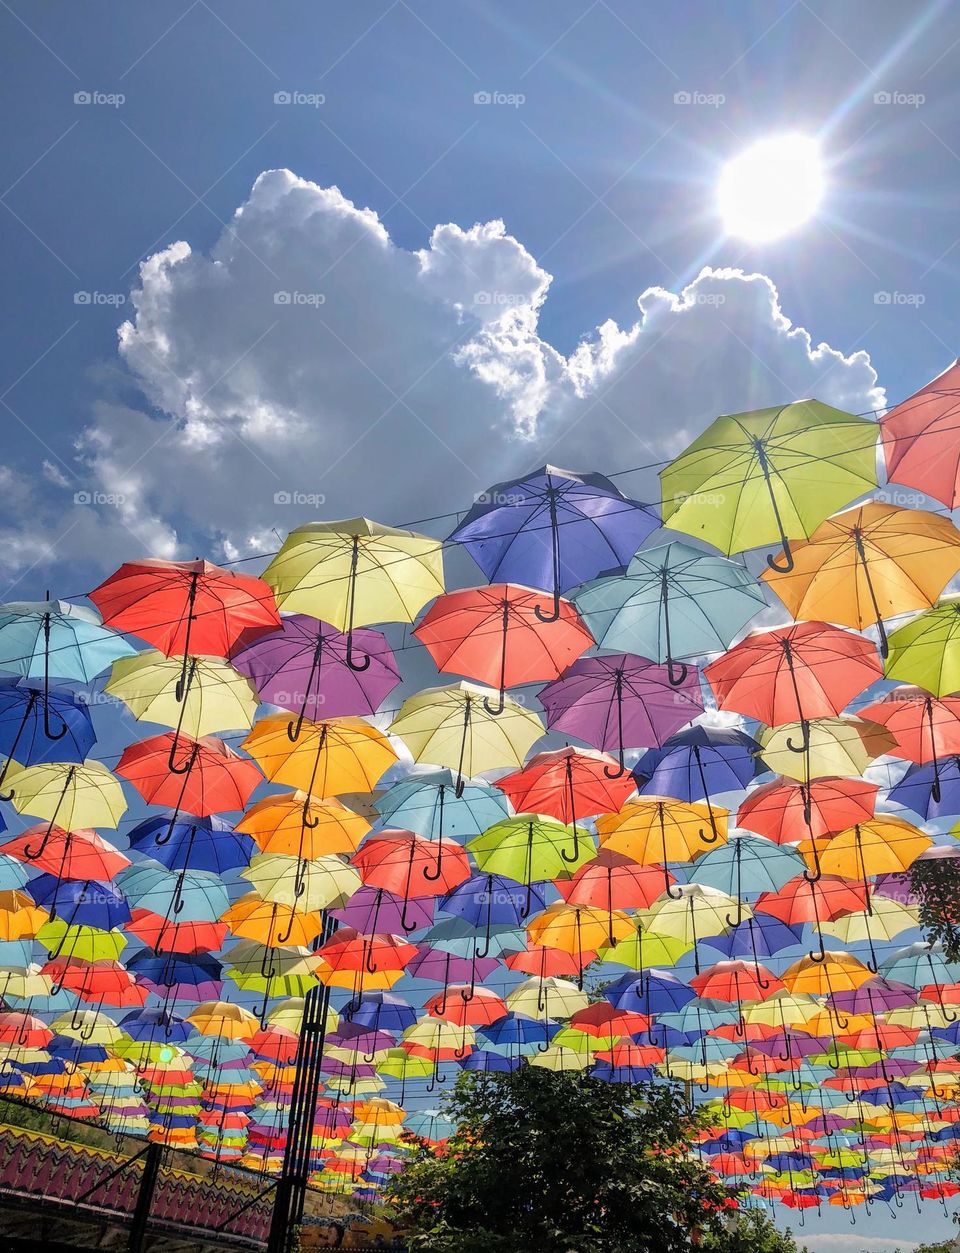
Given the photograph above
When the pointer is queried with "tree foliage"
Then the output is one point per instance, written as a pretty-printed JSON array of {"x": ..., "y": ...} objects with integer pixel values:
[
  {"x": 937, "y": 885},
  {"x": 561, "y": 1163}
]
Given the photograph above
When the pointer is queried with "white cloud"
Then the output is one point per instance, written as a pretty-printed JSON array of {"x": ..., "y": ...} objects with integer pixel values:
[
  {"x": 311, "y": 367},
  {"x": 852, "y": 1242}
]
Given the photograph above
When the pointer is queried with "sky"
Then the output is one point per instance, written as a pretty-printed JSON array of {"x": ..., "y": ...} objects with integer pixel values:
[{"x": 264, "y": 263}]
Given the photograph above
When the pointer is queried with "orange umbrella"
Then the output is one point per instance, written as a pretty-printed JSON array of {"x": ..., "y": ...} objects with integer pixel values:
[
  {"x": 272, "y": 923},
  {"x": 502, "y": 635},
  {"x": 276, "y": 823},
  {"x": 80, "y": 854}
]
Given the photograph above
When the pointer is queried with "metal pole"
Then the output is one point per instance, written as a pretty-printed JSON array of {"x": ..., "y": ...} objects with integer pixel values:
[{"x": 141, "y": 1214}]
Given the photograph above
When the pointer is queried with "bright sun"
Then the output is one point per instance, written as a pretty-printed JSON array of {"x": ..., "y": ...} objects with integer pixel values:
[{"x": 771, "y": 188}]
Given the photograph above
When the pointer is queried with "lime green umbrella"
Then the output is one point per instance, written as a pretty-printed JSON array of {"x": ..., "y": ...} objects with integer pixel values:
[
  {"x": 926, "y": 650},
  {"x": 90, "y": 944},
  {"x": 531, "y": 848},
  {"x": 769, "y": 476},
  {"x": 644, "y": 949}
]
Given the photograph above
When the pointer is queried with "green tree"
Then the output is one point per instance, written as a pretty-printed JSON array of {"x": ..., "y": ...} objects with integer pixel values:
[
  {"x": 561, "y": 1163},
  {"x": 752, "y": 1232}
]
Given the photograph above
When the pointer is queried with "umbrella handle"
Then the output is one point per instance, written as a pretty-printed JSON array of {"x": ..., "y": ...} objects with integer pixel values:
[
  {"x": 676, "y": 673},
  {"x": 282, "y": 939},
  {"x": 708, "y": 839},
  {"x": 620, "y": 770},
  {"x": 43, "y": 843},
  {"x": 788, "y": 561},
  {"x": 433, "y": 875},
  {"x": 575, "y": 855},
  {"x": 495, "y": 710},
  {"x": 53, "y": 735},
  {"x": 357, "y": 666},
  {"x": 554, "y": 614},
  {"x": 188, "y": 765},
  {"x": 804, "y": 745},
  {"x": 369, "y": 966}
]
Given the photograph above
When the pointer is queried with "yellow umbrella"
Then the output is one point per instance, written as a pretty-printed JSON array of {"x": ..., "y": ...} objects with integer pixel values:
[
  {"x": 925, "y": 1015},
  {"x": 71, "y": 796},
  {"x": 21, "y": 985},
  {"x": 326, "y": 759},
  {"x": 696, "y": 912},
  {"x": 452, "y": 726},
  {"x": 561, "y": 1060},
  {"x": 871, "y": 562},
  {"x": 20, "y": 918},
  {"x": 437, "y": 1033},
  {"x": 289, "y": 1014},
  {"x": 883, "y": 845},
  {"x": 277, "y": 825},
  {"x": 89, "y": 1026},
  {"x": 324, "y": 883},
  {"x": 214, "y": 698},
  {"x": 653, "y": 830},
  {"x": 271, "y": 922},
  {"x": 578, "y": 929},
  {"x": 230, "y": 1022},
  {"x": 838, "y": 972},
  {"x": 887, "y": 918},
  {"x": 838, "y": 746},
  {"x": 354, "y": 572},
  {"x": 546, "y": 998}
]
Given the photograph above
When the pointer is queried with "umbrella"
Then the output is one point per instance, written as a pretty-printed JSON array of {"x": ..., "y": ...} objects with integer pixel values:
[
  {"x": 672, "y": 602},
  {"x": 80, "y": 854},
  {"x": 40, "y": 639},
  {"x": 34, "y": 719},
  {"x": 328, "y": 758},
  {"x": 68, "y": 794},
  {"x": 824, "y": 747},
  {"x": 643, "y": 948},
  {"x": 501, "y": 636},
  {"x": 926, "y": 650},
  {"x": 567, "y": 782},
  {"x": 426, "y": 802},
  {"x": 277, "y": 825},
  {"x": 916, "y": 439},
  {"x": 915, "y": 789},
  {"x": 208, "y": 778},
  {"x": 315, "y": 885},
  {"x": 747, "y": 864},
  {"x": 692, "y": 911},
  {"x": 578, "y": 929},
  {"x": 546, "y": 998},
  {"x": 303, "y": 667},
  {"x": 699, "y": 761},
  {"x": 452, "y": 726},
  {"x": 654, "y": 830},
  {"x": 354, "y": 572},
  {"x": 769, "y": 476},
  {"x": 531, "y": 847},
  {"x": 372, "y": 909},
  {"x": 924, "y": 727},
  {"x": 272, "y": 923},
  {"x": 613, "y": 881},
  {"x": 869, "y": 563},
  {"x": 204, "y": 843},
  {"x": 553, "y": 529},
  {"x": 825, "y": 806}
]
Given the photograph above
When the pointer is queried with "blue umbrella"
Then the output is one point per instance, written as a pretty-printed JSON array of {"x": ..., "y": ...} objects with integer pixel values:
[
  {"x": 81, "y": 902},
  {"x": 149, "y": 1025},
  {"x": 672, "y": 602},
  {"x": 488, "y": 1060},
  {"x": 553, "y": 529},
  {"x": 455, "y": 935},
  {"x": 489, "y": 902},
  {"x": 382, "y": 1011},
  {"x": 516, "y": 1031},
  {"x": 428, "y": 804},
  {"x": 747, "y": 864},
  {"x": 201, "y": 843},
  {"x": 758, "y": 937},
  {"x": 916, "y": 789},
  {"x": 653, "y": 992},
  {"x": 621, "y": 1074},
  {"x": 38, "y": 726},
  {"x": 698, "y": 762}
]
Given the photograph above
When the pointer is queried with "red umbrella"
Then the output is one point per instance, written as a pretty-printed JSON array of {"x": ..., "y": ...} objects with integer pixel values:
[
  {"x": 106, "y": 982},
  {"x": 177, "y": 937},
  {"x": 736, "y": 981},
  {"x": 21, "y": 1029},
  {"x": 184, "y": 607},
  {"x": 567, "y": 784},
  {"x": 466, "y": 1006},
  {"x": 794, "y": 673},
  {"x": 925, "y": 727},
  {"x": 207, "y": 776},
  {"x": 919, "y": 439},
  {"x": 411, "y": 866},
  {"x": 502, "y": 635},
  {"x": 546, "y": 962},
  {"x": 828, "y": 898},
  {"x": 80, "y": 854},
  {"x": 825, "y": 807},
  {"x": 613, "y": 881},
  {"x": 601, "y": 1019}
]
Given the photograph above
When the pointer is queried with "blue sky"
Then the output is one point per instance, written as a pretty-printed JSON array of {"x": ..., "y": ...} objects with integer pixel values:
[{"x": 379, "y": 348}]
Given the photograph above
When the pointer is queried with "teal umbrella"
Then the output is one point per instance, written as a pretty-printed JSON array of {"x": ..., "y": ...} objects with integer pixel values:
[
  {"x": 745, "y": 864},
  {"x": 429, "y": 805},
  {"x": 52, "y": 638},
  {"x": 674, "y": 601},
  {"x": 199, "y": 896}
]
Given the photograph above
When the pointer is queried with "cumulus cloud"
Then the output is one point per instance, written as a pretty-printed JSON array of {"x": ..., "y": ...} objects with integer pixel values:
[{"x": 309, "y": 366}]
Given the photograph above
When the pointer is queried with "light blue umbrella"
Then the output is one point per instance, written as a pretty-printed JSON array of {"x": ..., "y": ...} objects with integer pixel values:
[
  {"x": 201, "y": 897},
  {"x": 700, "y": 1015},
  {"x": 747, "y": 864},
  {"x": 428, "y": 805},
  {"x": 53, "y": 638},
  {"x": 13, "y": 874},
  {"x": 919, "y": 965},
  {"x": 456, "y": 935},
  {"x": 674, "y": 601}
]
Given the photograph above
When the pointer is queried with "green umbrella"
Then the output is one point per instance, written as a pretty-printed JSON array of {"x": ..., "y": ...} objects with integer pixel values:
[
  {"x": 769, "y": 476},
  {"x": 926, "y": 650},
  {"x": 531, "y": 848}
]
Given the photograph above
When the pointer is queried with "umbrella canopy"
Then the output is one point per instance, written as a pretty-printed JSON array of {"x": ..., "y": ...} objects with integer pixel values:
[
  {"x": 40, "y": 723},
  {"x": 926, "y": 650},
  {"x": 531, "y": 847},
  {"x": 208, "y": 777},
  {"x": 699, "y": 761},
  {"x": 211, "y": 696},
  {"x": 917, "y": 439},
  {"x": 80, "y": 854},
  {"x": 47, "y": 638},
  {"x": 567, "y": 783},
  {"x": 427, "y": 802},
  {"x": 824, "y": 806},
  {"x": 292, "y": 821},
  {"x": 326, "y": 759},
  {"x": 769, "y": 476},
  {"x": 71, "y": 795}
]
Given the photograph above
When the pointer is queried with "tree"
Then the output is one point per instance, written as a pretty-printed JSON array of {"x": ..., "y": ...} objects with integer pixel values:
[
  {"x": 561, "y": 1163},
  {"x": 752, "y": 1232}
]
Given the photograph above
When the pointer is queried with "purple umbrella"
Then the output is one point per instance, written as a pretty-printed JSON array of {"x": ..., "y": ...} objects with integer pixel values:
[
  {"x": 304, "y": 667},
  {"x": 553, "y": 529},
  {"x": 619, "y": 701},
  {"x": 441, "y": 967},
  {"x": 876, "y": 996},
  {"x": 372, "y": 910}
]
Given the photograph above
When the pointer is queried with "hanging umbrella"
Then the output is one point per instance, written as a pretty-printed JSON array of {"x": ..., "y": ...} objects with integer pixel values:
[
  {"x": 80, "y": 854},
  {"x": 654, "y": 830},
  {"x": 277, "y": 825},
  {"x": 426, "y": 803},
  {"x": 411, "y": 866},
  {"x": 320, "y": 884},
  {"x": 642, "y": 949},
  {"x": 529, "y": 848},
  {"x": 761, "y": 936},
  {"x": 38, "y": 724},
  {"x": 327, "y": 759},
  {"x": 824, "y": 747},
  {"x": 372, "y": 909},
  {"x": 747, "y": 864},
  {"x": 273, "y": 923},
  {"x": 672, "y": 602},
  {"x": 699, "y": 761},
  {"x": 502, "y": 635},
  {"x": 578, "y": 929},
  {"x": 825, "y": 806},
  {"x": 47, "y": 638},
  {"x": 926, "y": 729},
  {"x": 915, "y": 789},
  {"x": 303, "y": 667},
  {"x": 692, "y": 911},
  {"x": 67, "y": 794},
  {"x": 466, "y": 1006},
  {"x": 84, "y": 902},
  {"x": 736, "y": 980},
  {"x": 613, "y": 881},
  {"x": 355, "y": 572},
  {"x": 917, "y": 439},
  {"x": 618, "y": 701},
  {"x": 566, "y": 783},
  {"x": 769, "y": 476},
  {"x": 868, "y": 563},
  {"x": 220, "y": 1018},
  {"x": 926, "y": 650},
  {"x": 884, "y": 845},
  {"x": 204, "y": 843},
  {"x": 362, "y": 962},
  {"x": 653, "y": 992},
  {"x": 553, "y": 529},
  {"x": 546, "y": 998},
  {"x": 75, "y": 940},
  {"x": 840, "y": 972},
  {"x": 209, "y": 777},
  {"x": 452, "y": 726}
]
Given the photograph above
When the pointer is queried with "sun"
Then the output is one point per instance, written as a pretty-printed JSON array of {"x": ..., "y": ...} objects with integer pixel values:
[{"x": 771, "y": 188}]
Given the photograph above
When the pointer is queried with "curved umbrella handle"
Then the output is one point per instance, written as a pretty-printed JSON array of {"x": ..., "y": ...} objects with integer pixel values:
[
  {"x": 708, "y": 839},
  {"x": 357, "y": 666},
  {"x": 554, "y": 614},
  {"x": 575, "y": 855},
  {"x": 621, "y": 768},
  {"x": 804, "y": 745},
  {"x": 433, "y": 875},
  {"x": 676, "y": 673},
  {"x": 50, "y": 734},
  {"x": 495, "y": 710},
  {"x": 788, "y": 561}
]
